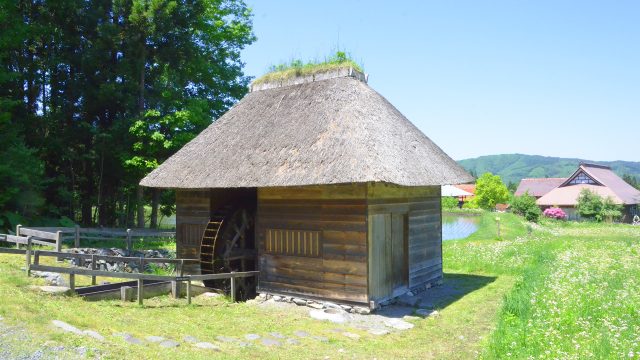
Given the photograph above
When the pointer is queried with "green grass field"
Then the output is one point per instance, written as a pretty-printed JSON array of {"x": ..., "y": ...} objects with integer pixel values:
[{"x": 566, "y": 290}]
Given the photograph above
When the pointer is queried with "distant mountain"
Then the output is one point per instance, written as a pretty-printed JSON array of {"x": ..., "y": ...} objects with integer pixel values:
[{"x": 515, "y": 167}]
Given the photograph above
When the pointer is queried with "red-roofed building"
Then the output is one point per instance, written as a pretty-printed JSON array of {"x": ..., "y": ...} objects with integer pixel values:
[
  {"x": 598, "y": 179},
  {"x": 471, "y": 188},
  {"x": 538, "y": 187}
]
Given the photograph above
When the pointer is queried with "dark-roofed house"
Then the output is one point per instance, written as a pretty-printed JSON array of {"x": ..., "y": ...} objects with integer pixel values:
[
  {"x": 598, "y": 179},
  {"x": 320, "y": 184},
  {"x": 538, "y": 187}
]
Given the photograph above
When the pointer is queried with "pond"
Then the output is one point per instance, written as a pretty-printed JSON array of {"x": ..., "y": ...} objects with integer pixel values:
[{"x": 457, "y": 226}]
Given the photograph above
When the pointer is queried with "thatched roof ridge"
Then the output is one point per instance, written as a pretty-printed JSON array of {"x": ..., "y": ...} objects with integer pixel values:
[{"x": 333, "y": 131}]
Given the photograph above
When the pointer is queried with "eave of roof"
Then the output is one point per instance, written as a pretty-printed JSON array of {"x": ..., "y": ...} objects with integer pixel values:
[{"x": 330, "y": 131}]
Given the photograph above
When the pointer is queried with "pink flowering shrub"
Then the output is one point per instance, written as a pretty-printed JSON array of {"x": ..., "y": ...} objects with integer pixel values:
[{"x": 555, "y": 213}]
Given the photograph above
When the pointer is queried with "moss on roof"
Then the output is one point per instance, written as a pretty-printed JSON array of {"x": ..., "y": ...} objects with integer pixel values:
[{"x": 299, "y": 68}]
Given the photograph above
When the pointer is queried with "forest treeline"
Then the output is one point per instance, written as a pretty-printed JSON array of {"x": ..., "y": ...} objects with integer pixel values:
[{"x": 94, "y": 94}]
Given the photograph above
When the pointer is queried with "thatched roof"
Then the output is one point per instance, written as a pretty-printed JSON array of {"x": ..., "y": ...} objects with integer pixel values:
[{"x": 322, "y": 129}]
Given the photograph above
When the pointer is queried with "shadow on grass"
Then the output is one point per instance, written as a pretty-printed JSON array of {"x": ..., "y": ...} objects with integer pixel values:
[{"x": 453, "y": 288}]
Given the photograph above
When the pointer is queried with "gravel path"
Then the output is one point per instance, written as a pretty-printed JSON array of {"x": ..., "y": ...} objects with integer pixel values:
[{"x": 17, "y": 344}]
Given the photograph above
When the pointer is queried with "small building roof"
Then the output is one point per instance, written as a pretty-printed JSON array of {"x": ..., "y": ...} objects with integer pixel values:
[
  {"x": 538, "y": 187},
  {"x": 450, "y": 190},
  {"x": 568, "y": 196},
  {"x": 328, "y": 128},
  {"x": 470, "y": 188},
  {"x": 605, "y": 183}
]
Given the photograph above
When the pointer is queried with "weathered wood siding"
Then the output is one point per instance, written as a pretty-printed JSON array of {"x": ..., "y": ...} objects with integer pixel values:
[
  {"x": 399, "y": 213},
  {"x": 193, "y": 212},
  {"x": 192, "y": 215},
  {"x": 338, "y": 213}
]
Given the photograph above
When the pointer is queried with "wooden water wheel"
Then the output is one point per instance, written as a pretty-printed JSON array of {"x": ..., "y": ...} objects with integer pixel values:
[{"x": 228, "y": 245}]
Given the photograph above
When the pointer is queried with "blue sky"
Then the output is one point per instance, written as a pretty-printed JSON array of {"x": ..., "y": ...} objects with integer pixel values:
[{"x": 553, "y": 78}]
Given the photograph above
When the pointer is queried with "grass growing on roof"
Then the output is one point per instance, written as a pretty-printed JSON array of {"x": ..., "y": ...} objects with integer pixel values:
[{"x": 298, "y": 67}]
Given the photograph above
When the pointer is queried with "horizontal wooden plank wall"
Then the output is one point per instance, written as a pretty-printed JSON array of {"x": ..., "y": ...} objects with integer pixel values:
[
  {"x": 192, "y": 216},
  {"x": 422, "y": 206},
  {"x": 338, "y": 212}
]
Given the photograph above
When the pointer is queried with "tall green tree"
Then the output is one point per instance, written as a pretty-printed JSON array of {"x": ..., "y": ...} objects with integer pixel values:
[
  {"x": 490, "y": 190},
  {"x": 631, "y": 180},
  {"x": 91, "y": 87}
]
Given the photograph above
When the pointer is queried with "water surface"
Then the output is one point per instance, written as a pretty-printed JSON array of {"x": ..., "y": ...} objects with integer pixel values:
[{"x": 457, "y": 226}]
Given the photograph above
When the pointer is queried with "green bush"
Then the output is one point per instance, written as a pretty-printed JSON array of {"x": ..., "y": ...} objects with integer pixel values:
[
  {"x": 592, "y": 206},
  {"x": 471, "y": 204},
  {"x": 490, "y": 190},
  {"x": 449, "y": 202},
  {"x": 526, "y": 206}
]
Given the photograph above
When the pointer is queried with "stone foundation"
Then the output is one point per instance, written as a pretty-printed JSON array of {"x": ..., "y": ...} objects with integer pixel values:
[{"x": 409, "y": 298}]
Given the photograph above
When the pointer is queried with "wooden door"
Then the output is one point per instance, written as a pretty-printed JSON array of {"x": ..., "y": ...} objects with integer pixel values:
[
  {"x": 399, "y": 264},
  {"x": 388, "y": 265}
]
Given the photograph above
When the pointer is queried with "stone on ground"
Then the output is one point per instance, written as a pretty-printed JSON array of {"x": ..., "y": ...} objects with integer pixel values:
[
  {"x": 155, "y": 339},
  {"x": 299, "y": 302},
  {"x": 378, "y": 332},
  {"x": 293, "y": 341},
  {"x": 277, "y": 335},
  {"x": 55, "y": 290},
  {"x": 333, "y": 315},
  {"x": 169, "y": 344},
  {"x": 252, "y": 337},
  {"x": 94, "y": 334},
  {"x": 210, "y": 295},
  {"x": 361, "y": 310},
  {"x": 270, "y": 342},
  {"x": 426, "y": 312},
  {"x": 408, "y": 300},
  {"x": 226, "y": 339},
  {"x": 315, "y": 305},
  {"x": 301, "y": 333},
  {"x": 130, "y": 339},
  {"x": 398, "y": 324},
  {"x": 351, "y": 335},
  {"x": 190, "y": 339},
  {"x": 67, "y": 327},
  {"x": 206, "y": 346}
]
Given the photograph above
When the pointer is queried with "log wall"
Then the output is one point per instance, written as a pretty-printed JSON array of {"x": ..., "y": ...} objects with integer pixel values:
[{"x": 338, "y": 214}]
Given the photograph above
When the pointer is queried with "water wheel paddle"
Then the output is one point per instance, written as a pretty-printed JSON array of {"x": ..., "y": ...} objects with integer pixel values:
[{"x": 228, "y": 244}]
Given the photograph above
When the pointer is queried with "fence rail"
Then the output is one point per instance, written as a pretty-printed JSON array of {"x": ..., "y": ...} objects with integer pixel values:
[
  {"x": 140, "y": 277},
  {"x": 55, "y": 236}
]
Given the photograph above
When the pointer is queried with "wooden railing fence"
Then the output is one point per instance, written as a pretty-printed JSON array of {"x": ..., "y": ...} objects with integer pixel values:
[
  {"x": 55, "y": 236},
  {"x": 176, "y": 279}
]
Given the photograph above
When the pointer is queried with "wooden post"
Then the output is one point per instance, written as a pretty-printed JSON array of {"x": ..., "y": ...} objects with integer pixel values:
[
  {"x": 77, "y": 237},
  {"x": 129, "y": 241},
  {"x": 72, "y": 282},
  {"x": 28, "y": 256},
  {"x": 140, "y": 291},
  {"x": 233, "y": 287},
  {"x": 175, "y": 289},
  {"x": 36, "y": 257},
  {"x": 93, "y": 267},
  {"x": 141, "y": 265},
  {"x": 59, "y": 243},
  {"x": 18, "y": 234},
  {"x": 124, "y": 293},
  {"x": 189, "y": 291},
  {"x": 176, "y": 285}
]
